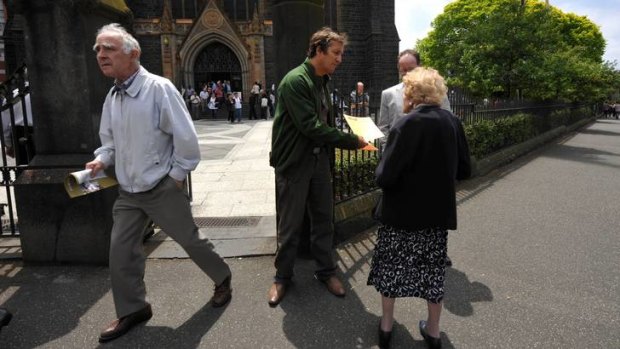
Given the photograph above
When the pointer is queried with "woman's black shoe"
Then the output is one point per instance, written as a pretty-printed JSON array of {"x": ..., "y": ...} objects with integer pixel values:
[
  {"x": 432, "y": 342},
  {"x": 384, "y": 338}
]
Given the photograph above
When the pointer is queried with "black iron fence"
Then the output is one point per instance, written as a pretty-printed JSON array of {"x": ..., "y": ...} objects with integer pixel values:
[
  {"x": 16, "y": 140},
  {"x": 354, "y": 170}
]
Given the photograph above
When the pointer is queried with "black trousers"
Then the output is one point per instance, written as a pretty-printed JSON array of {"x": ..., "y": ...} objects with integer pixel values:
[
  {"x": 307, "y": 188},
  {"x": 253, "y": 99}
]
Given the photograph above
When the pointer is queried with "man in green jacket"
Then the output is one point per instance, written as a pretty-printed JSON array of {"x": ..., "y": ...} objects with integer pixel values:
[{"x": 300, "y": 146}]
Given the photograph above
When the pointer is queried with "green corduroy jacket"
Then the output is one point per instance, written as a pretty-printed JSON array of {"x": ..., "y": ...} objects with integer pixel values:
[{"x": 297, "y": 127}]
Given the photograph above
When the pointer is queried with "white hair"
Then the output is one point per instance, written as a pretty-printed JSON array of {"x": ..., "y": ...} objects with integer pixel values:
[{"x": 129, "y": 42}]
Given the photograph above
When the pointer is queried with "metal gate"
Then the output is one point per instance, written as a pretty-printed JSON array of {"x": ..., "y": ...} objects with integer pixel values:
[
  {"x": 217, "y": 62},
  {"x": 16, "y": 142}
]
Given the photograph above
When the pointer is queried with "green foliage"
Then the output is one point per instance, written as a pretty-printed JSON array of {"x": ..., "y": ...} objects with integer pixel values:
[
  {"x": 354, "y": 173},
  {"x": 487, "y": 136},
  {"x": 501, "y": 48}
]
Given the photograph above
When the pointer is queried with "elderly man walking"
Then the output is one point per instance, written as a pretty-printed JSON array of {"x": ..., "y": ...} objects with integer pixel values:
[{"x": 147, "y": 134}]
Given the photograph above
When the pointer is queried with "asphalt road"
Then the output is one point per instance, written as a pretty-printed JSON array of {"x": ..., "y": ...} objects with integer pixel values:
[{"x": 536, "y": 265}]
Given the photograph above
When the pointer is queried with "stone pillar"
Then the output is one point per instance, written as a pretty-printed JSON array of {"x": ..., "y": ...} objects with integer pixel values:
[
  {"x": 67, "y": 93},
  {"x": 293, "y": 23}
]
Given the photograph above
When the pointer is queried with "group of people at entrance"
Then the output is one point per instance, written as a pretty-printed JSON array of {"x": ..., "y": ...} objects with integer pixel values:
[
  {"x": 212, "y": 97},
  {"x": 263, "y": 100},
  {"x": 148, "y": 136}
]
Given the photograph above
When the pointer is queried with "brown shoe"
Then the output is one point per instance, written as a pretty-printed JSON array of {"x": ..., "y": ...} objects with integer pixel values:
[
  {"x": 276, "y": 293},
  {"x": 334, "y": 286},
  {"x": 121, "y": 326},
  {"x": 222, "y": 293}
]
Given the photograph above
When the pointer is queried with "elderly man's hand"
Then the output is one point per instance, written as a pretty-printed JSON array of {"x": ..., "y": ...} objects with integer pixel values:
[{"x": 95, "y": 167}]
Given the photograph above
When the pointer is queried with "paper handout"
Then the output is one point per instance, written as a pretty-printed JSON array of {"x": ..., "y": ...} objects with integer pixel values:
[
  {"x": 81, "y": 183},
  {"x": 365, "y": 127}
]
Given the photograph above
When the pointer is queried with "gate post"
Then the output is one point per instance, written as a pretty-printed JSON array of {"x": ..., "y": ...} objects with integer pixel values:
[{"x": 67, "y": 90}]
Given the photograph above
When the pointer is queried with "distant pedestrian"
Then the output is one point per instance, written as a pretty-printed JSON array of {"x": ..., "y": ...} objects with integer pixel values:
[
  {"x": 230, "y": 107},
  {"x": 425, "y": 154},
  {"x": 147, "y": 134},
  {"x": 254, "y": 95},
  {"x": 264, "y": 106},
  {"x": 195, "y": 101},
  {"x": 212, "y": 104},
  {"x": 360, "y": 101},
  {"x": 238, "y": 106},
  {"x": 272, "y": 103}
]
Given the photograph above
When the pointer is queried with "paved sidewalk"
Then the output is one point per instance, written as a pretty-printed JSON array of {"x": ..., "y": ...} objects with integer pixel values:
[
  {"x": 233, "y": 191},
  {"x": 535, "y": 266}
]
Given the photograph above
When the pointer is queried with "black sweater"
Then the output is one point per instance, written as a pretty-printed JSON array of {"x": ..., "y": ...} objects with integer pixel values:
[{"x": 426, "y": 152}]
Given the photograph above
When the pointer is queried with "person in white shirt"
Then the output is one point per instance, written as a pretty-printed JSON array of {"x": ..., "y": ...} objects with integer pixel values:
[
  {"x": 238, "y": 106},
  {"x": 147, "y": 134},
  {"x": 392, "y": 98},
  {"x": 204, "y": 96}
]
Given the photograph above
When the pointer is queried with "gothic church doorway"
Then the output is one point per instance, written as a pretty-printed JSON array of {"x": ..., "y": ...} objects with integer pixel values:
[{"x": 218, "y": 62}]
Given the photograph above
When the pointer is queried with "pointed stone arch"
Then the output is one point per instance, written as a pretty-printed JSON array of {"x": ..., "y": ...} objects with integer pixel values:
[
  {"x": 213, "y": 26},
  {"x": 199, "y": 43}
]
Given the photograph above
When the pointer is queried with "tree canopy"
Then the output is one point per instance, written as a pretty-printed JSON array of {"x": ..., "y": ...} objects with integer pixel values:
[{"x": 510, "y": 48}]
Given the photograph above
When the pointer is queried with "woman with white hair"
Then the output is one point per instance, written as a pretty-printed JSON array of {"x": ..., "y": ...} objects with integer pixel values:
[{"x": 426, "y": 152}]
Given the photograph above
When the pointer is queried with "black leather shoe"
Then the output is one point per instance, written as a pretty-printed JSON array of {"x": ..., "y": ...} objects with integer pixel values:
[
  {"x": 384, "y": 338},
  {"x": 121, "y": 326},
  {"x": 432, "y": 342},
  {"x": 277, "y": 291},
  {"x": 5, "y": 317},
  {"x": 222, "y": 293}
]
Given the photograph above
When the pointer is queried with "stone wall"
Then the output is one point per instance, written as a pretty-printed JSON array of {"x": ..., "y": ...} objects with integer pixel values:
[{"x": 373, "y": 46}]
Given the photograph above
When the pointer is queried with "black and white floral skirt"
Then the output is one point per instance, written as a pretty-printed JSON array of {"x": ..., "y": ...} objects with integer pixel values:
[{"x": 410, "y": 263}]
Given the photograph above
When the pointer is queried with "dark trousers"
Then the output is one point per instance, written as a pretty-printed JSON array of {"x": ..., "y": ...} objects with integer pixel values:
[
  {"x": 253, "y": 99},
  {"x": 307, "y": 188},
  {"x": 168, "y": 207}
]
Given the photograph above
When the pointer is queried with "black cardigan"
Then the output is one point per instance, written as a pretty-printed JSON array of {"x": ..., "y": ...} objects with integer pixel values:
[{"x": 426, "y": 152}]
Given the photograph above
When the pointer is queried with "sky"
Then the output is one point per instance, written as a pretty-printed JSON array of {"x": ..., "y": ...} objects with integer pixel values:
[{"x": 414, "y": 17}]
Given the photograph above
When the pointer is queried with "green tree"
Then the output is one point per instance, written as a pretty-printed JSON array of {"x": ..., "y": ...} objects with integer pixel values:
[{"x": 511, "y": 48}]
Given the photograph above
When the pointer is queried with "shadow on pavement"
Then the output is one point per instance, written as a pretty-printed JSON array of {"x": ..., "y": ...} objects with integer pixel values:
[
  {"x": 188, "y": 335},
  {"x": 581, "y": 154},
  {"x": 316, "y": 319},
  {"x": 597, "y": 132},
  {"x": 461, "y": 293},
  {"x": 48, "y": 302}
]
